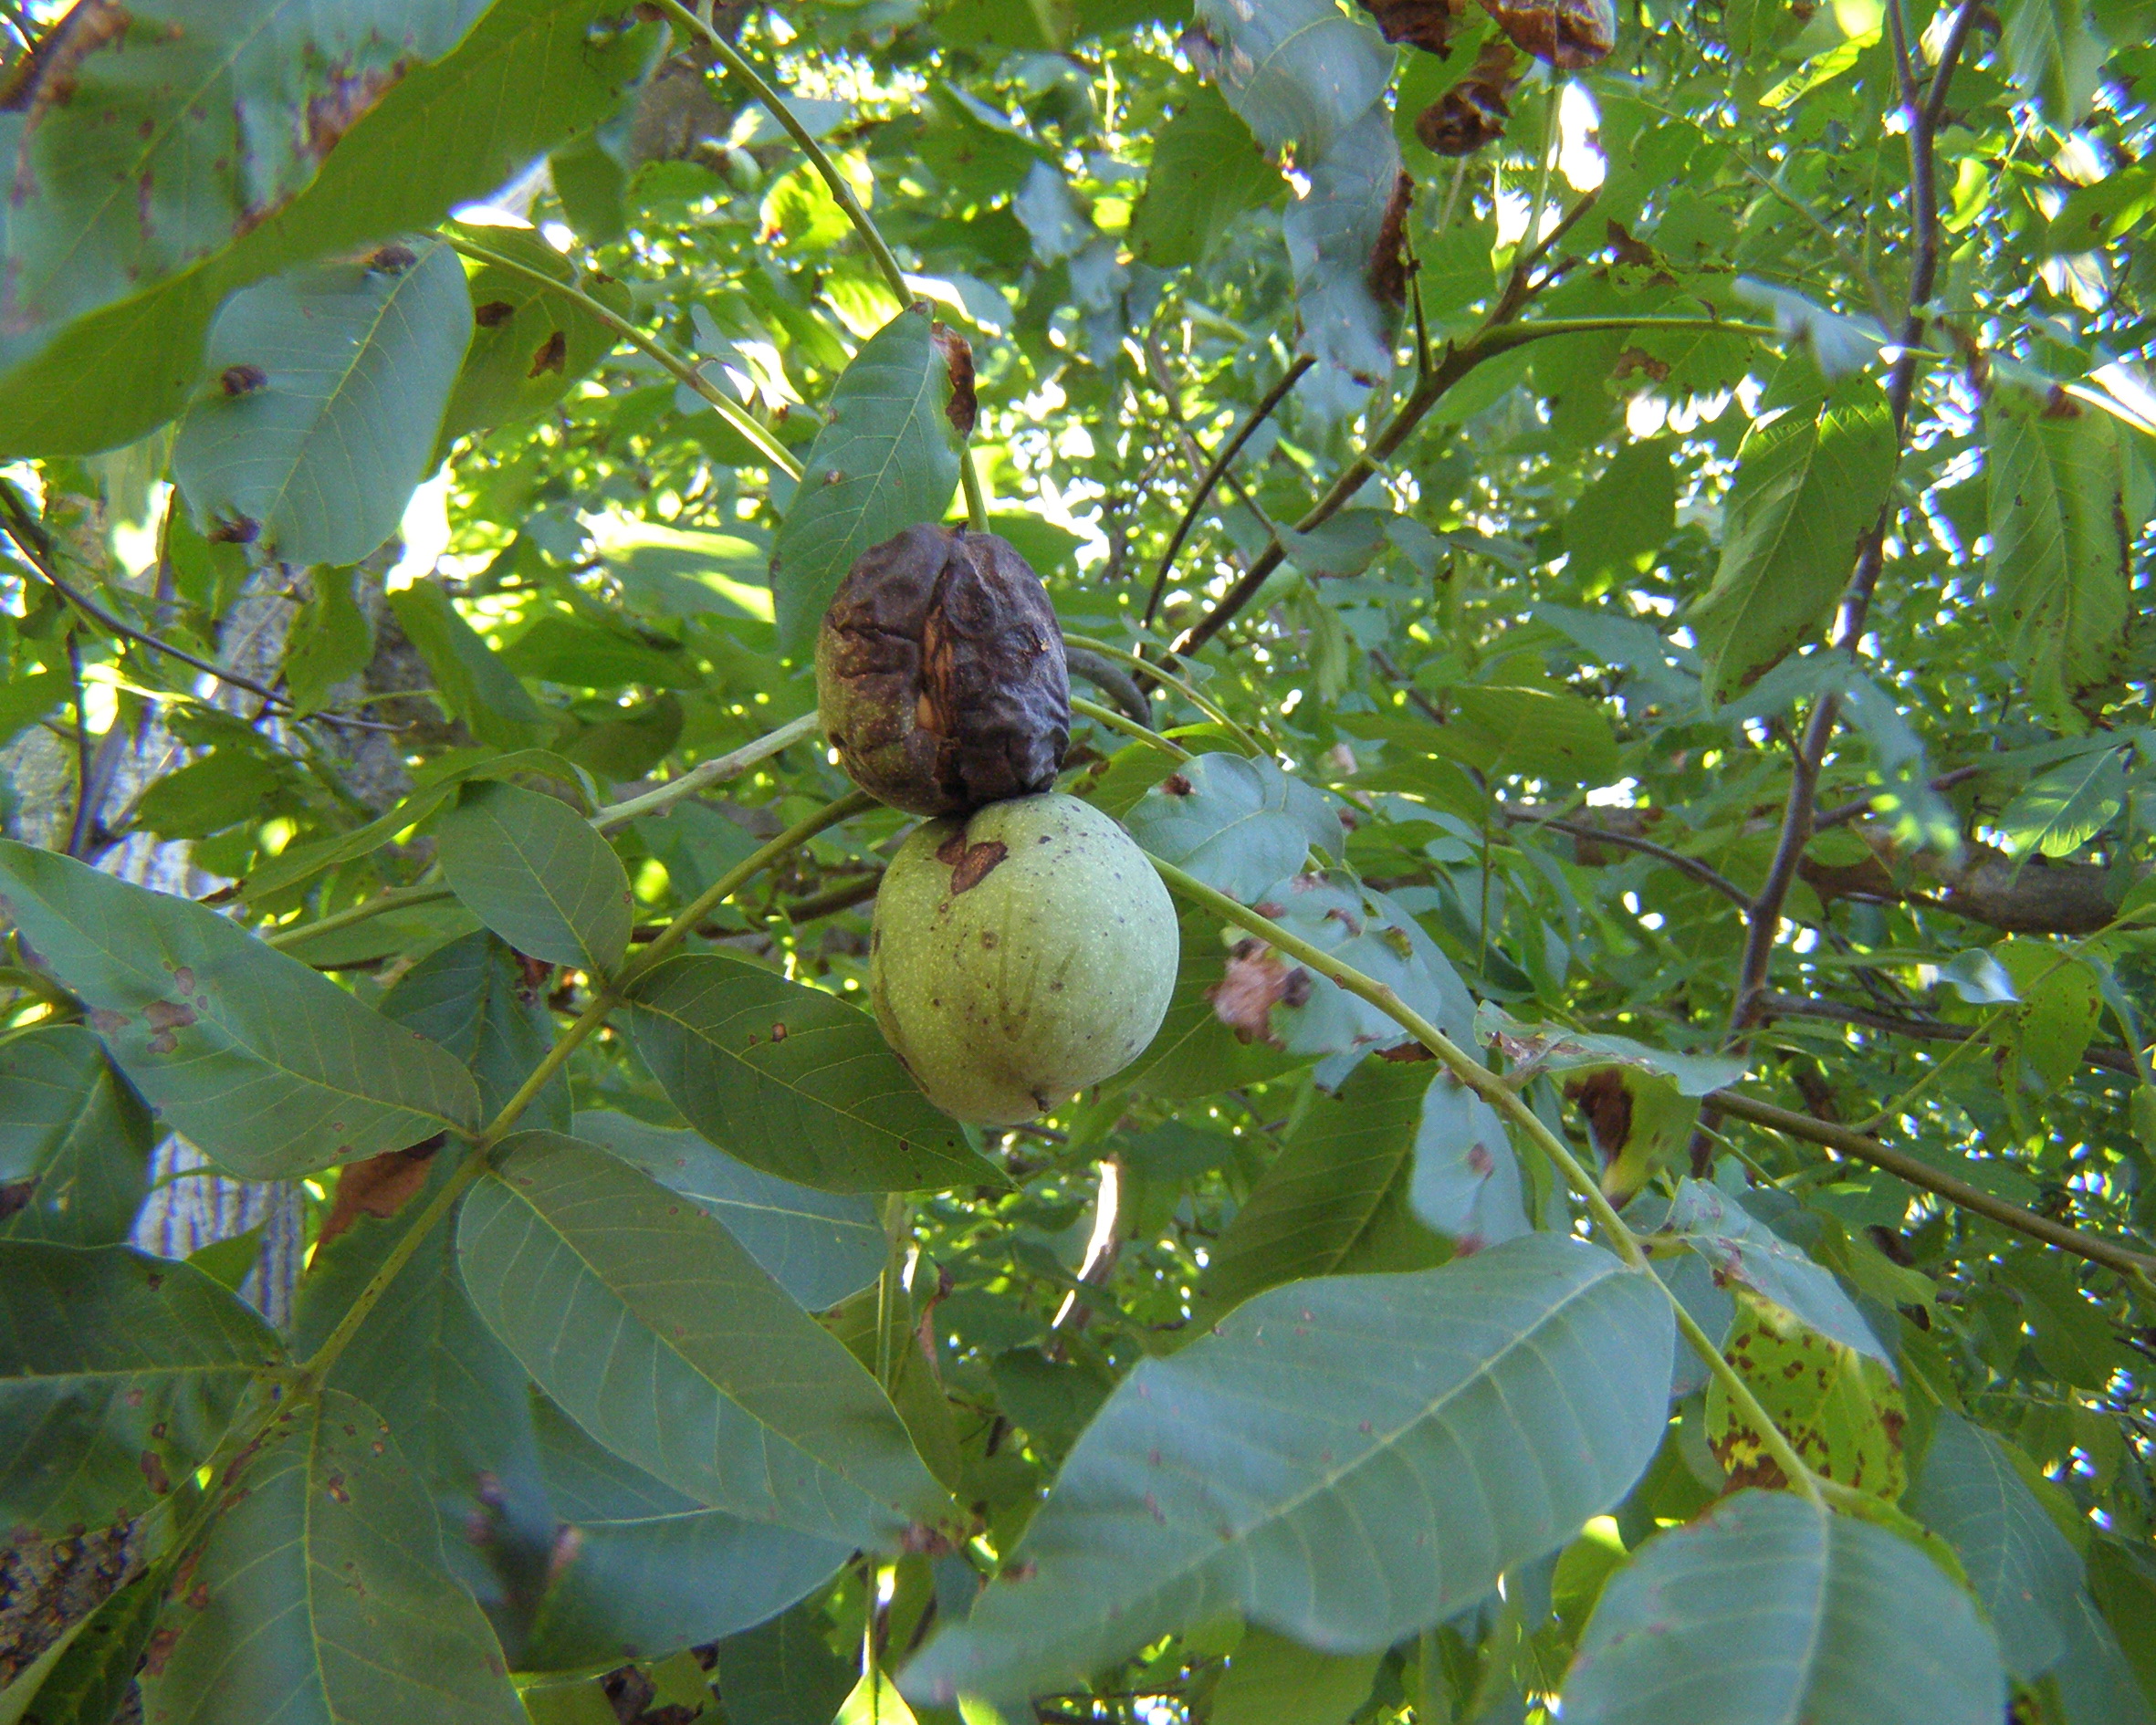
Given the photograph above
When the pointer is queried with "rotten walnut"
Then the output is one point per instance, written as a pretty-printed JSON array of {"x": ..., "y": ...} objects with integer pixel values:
[{"x": 940, "y": 674}]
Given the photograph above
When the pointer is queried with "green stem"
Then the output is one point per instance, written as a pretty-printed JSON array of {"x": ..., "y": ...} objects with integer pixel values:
[
  {"x": 712, "y": 772},
  {"x": 396, "y": 898},
  {"x": 977, "y": 502},
  {"x": 682, "y": 372},
  {"x": 1129, "y": 726},
  {"x": 1167, "y": 679},
  {"x": 1500, "y": 1096}
]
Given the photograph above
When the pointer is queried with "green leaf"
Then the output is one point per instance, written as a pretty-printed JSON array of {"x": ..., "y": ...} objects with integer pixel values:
[
  {"x": 1341, "y": 1459},
  {"x": 2061, "y": 1004},
  {"x": 1296, "y": 70},
  {"x": 559, "y": 649},
  {"x": 1808, "y": 485},
  {"x": 220, "y": 790},
  {"x": 1538, "y": 733},
  {"x": 1239, "y": 825},
  {"x": 327, "y": 385},
  {"x": 792, "y": 1079},
  {"x": 1272, "y": 1680},
  {"x": 532, "y": 869},
  {"x": 1769, "y": 1609},
  {"x": 441, "y": 135},
  {"x": 27, "y": 699},
  {"x": 320, "y": 1595},
  {"x": 1207, "y": 172},
  {"x": 637, "y": 1565},
  {"x": 271, "y": 1069},
  {"x": 1334, "y": 1199},
  {"x": 784, "y": 1672},
  {"x": 1744, "y": 1251},
  {"x": 2058, "y": 811},
  {"x": 470, "y": 680},
  {"x": 119, "y": 1373},
  {"x": 1623, "y": 519},
  {"x": 1193, "y": 1054},
  {"x": 528, "y": 345},
  {"x": 2057, "y": 486},
  {"x": 2054, "y": 56},
  {"x": 469, "y": 997},
  {"x": 819, "y": 1247},
  {"x": 139, "y": 150},
  {"x": 1333, "y": 232},
  {"x": 74, "y": 1141},
  {"x": 884, "y": 461},
  {"x": 2022, "y": 1572},
  {"x": 331, "y": 639},
  {"x": 656, "y": 1332}
]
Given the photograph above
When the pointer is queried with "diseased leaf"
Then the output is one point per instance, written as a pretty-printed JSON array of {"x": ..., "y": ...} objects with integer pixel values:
[
  {"x": 119, "y": 1373},
  {"x": 531, "y": 869},
  {"x": 325, "y": 385},
  {"x": 792, "y": 1079},
  {"x": 74, "y": 1141},
  {"x": 1466, "y": 1177},
  {"x": 472, "y": 998},
  {"x": 320, "y": 1597},
  {"x": 1771, "y": 1609},
  {"x": 440, "y": 134},
  {"x": 1840, "y": 1409},
  {"x": 528, "y": 345},
  {"x": 1346, "y": 1460},
  {"x": 883, "y": 462},
  {"x": 271, "y": 1069},
  {"x": 657, "y": 1333},
  {"x": 1744, "y": 1251}
]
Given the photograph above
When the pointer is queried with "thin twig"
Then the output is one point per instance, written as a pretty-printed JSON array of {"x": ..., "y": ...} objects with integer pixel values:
[
  {"x": 31, "y": 540},
  {"x": 1926, "y": 1177},
  {"x": 1226, "y": 453},
  {"x": 1842, "y": 814},
  {"x": 1690, "y": 866},
  {"x": 1922, "y": 1030},
  {"x": 1116, "y": 721},
  {"x": 85, "y": 774},
  {"x": 730, "y": 766}
]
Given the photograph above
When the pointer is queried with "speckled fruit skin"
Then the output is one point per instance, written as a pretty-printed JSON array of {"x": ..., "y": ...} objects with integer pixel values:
[{"x": 1019, "y": 953}]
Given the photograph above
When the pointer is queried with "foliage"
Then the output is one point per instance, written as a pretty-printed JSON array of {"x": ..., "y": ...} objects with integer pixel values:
[{"x": 1624, "y": 641}]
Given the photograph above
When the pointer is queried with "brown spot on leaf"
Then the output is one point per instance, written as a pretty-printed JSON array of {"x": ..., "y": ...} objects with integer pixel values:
[
  {"x": 552, "y": 355},
  {"x": 1255, "y": 980},
  {"x": 1405, "y": 1053},
  {"x": 493, "y": 314},
  {"x": 157, "y": 1651},
  {"x": 334, "y": 1486},
  {"x": 242, "y": 380},
  {"x": 15, "y": 1195},
  {"x": 168, "y": 1015},
  {"x": 1605, "y": 1101},
  {"x": 1176, "y": 785},
  {"x": 107, "y": 1023},
  {"x": 379, "y": 1186},
  {"x": 152, "y": 1466},
  {"x": 1390, "y": 267},
  {"x": 238, "y": 529},
  {"x": 199, "y": 1598},
  {"x": 778, "y": 1031}
]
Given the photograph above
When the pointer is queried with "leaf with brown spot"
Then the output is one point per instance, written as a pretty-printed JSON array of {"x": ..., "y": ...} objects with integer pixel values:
[{"x": 380, "y": 1186}]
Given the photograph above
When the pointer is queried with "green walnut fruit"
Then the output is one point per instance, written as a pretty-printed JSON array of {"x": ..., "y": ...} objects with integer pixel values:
[{"x": 1019, "y": 955}]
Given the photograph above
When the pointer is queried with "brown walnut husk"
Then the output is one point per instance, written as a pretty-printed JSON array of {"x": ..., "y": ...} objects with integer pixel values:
[
  {"x": 1473, "y": 112},
  {"x": 940, "y": 674},
  {"x": 1569, "y": 34}
]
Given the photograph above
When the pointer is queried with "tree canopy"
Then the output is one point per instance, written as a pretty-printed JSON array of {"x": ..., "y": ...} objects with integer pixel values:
[{"x": 1600, "y": 555}]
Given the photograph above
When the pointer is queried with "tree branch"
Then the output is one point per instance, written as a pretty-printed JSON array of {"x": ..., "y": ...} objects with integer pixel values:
[
  {"x": 1226, "y": 453},
  {"x": 1690, "y": 866}
]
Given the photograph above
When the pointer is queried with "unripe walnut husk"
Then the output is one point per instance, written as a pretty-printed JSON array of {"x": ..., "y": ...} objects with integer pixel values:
[
  {"x": 1019, "y": 956},
  {"x": 940, "y": 674}
]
